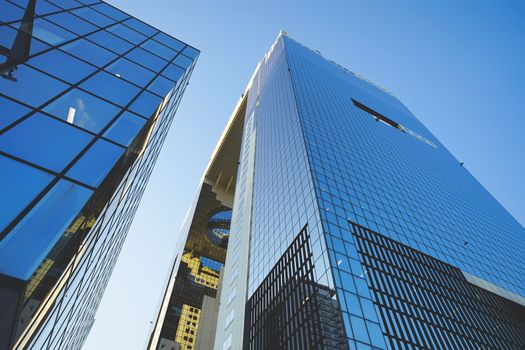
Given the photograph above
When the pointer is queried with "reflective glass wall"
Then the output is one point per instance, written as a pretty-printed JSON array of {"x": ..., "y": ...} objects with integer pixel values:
[{"x": 87, "y": 95}]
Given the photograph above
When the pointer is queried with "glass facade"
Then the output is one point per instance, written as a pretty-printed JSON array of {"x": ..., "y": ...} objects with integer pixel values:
[
  {"x": 404, "y": 248},
  {"x": 87, "y": 95}
]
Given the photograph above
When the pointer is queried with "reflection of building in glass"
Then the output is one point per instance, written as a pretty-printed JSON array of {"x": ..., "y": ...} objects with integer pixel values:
[
  {"x": 219, "y": 228},
  {"x": 87, "y": 95},
  {"x": 352, "y": 226}
]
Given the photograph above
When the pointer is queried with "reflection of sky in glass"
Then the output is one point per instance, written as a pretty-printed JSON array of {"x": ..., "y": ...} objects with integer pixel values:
[
  {"x": 89, "y": 112},
  {"x": 219, "y": 227}
]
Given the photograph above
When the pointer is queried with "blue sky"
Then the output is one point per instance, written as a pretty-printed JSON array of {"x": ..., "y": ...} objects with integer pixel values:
[{"x": 458, "y": 66}]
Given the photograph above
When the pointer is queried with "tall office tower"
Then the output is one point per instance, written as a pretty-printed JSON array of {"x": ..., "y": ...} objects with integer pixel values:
[
  {"x": 352, "y": 227},
  {"x": 87, "y": 95}
]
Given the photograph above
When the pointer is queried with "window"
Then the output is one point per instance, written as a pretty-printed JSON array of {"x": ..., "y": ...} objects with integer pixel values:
[
  {"x": 93, "y": 16},
  {"x": 169, "y": 41},
  {"x": 50, "y": 33},
  {"x": 45, "y": 148},
  {"x": 130, "y": 71},
  {"x": 147, "y": 59},
  {"x": 28, "y": 81},
  {"x": 173, "y": 72},
  {"x": 19, "y": 184},
  {"x": 110, "y": 41},
  {"x": 229, "y": 318},
  {"x": 159, "y": 49},
  {"x": 190, "y": 52},
  {"x": 72, "y": 23},
  {"x": 125, "y": 129},
  {"x": 161, "y": 86},
  {"x": 182, "y": 61},
  {"x": 24, "y": 248},
  {"x": 146, "y": 104},
  {"x": 89, "y": 52},
  {"x": 11, "y": 111},
  {"x": 62, "y": 66},
  {"x": 111, "y": 87},
  {"x": 96, "y": 163},
  {"x": 82, "y": 109},
  {"x": 127, "y": 33}
]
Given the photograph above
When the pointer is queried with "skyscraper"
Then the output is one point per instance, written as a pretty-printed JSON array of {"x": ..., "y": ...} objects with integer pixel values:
[
  {"x": 87, "y": 95},
  {"x": 352, "y": 227}
]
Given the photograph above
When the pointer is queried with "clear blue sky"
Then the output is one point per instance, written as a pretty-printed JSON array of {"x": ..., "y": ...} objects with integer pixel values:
[{"x": 457, "y": 65}]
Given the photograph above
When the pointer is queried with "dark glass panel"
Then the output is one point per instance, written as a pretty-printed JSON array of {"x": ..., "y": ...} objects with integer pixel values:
[
  {"x": 169, "y": 41},
  {"x": 190, "y": 52},
  {"x": 24, "y": 248},
  {"x": 62, "y": 66},
  {"x": 130, "y": 71},
  {"x": 125, "y": 128},
  {"x": 146, "y": 104},
  {"x": 53, "y": 144},
  {"x": 84, "y": 110},
  {"x": 19, "y": 185},
  {"x": 90, "y": 52},
  {"x": 10, "y": 111},
  {"x": 182, "y": 61},
  {"x": 161, "y": 86},
  {"x": 28, "y": 81},
  {"x": 50, "y": 33},
  {"x": 147, "y": 59},
  {"x": 110, "y": 41},
  {"x": 173, "y": 72},
  {"x": 159, "y": 49},
  {"x": 127, "y": 33},
  {"x": 72, "y": 23},
  {"x": 140, "y": 26},
  {"x": 96, "y": 163},
  {"x": 111, "y": 87},
  {"x": 93, "y": 16},
  {"x": 110, "y": 11}
]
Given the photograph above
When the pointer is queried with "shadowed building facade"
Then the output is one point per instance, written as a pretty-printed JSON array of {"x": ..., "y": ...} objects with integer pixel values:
[
  {"x": 353, "y": 227},
  {"x": 87, "y": 96}
]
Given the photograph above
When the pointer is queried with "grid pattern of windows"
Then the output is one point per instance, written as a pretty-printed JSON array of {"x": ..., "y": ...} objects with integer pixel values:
[
  {"x": 427, "y": 304},
  {"x": 84, "y": 115},
  {"x": 195, "y": 275},
  {"x": 391, "y": 182},
  {"x": 289, "y": 310}
]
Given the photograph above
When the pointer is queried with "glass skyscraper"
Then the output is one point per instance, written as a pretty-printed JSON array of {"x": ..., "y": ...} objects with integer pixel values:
[
  {"x": 87, "y": 95},
  {"x": 352, "y": 226}
]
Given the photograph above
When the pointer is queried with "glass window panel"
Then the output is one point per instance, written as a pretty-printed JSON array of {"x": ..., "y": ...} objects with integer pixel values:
[
  {"x": 110, "y": 11},
  {"x": 90, "y": 52},
  {"x": 96, "y": 163},
  {"x": 10, "y": 111},
  {"x": 110, "y": 41},
  {"x": 190, "y": 52},
  {"x": 169, "y": 41},
  {"x": 140, "y": 26},
  {"x": 10, "y": 12},
  {"x": 66, "y": 4},
  {"x": 19, "y": 185},
  {"x": 28, "y": 81},
  {"x": 127, "y": 33},
  {"x": 173, "y": 72},
  {"x": 147, "y": 59},
  {"x": 111, "y": 87},
  {"x": 84, "y": 110},
  {"x": 182, "y": 61},
  {"x": 125, "y": 129},
  {"x": 130, "y": 71},
  {"x": 62, "y": 66},
  {"x": 161, "y": 86},
  {"x": 359, "y": 328},
  {"x": 53, "y": 144},
  {"x": 50, "y": 33},
  {"x": 72, "y": 23},
  {"x": 376, "y": 335},
  {"x": 26, "y": 246},
  {"x": 89, "y": 2},
  {"x": 93, "y": 16},
  {"x": 159, "y": 49},
  {"x": 146, "y": 104}
]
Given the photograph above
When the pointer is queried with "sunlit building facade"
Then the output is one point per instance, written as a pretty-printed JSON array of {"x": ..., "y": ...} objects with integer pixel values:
[
  {"x": 87, "y": 95},
  {"x": 353, "y": 227}
]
